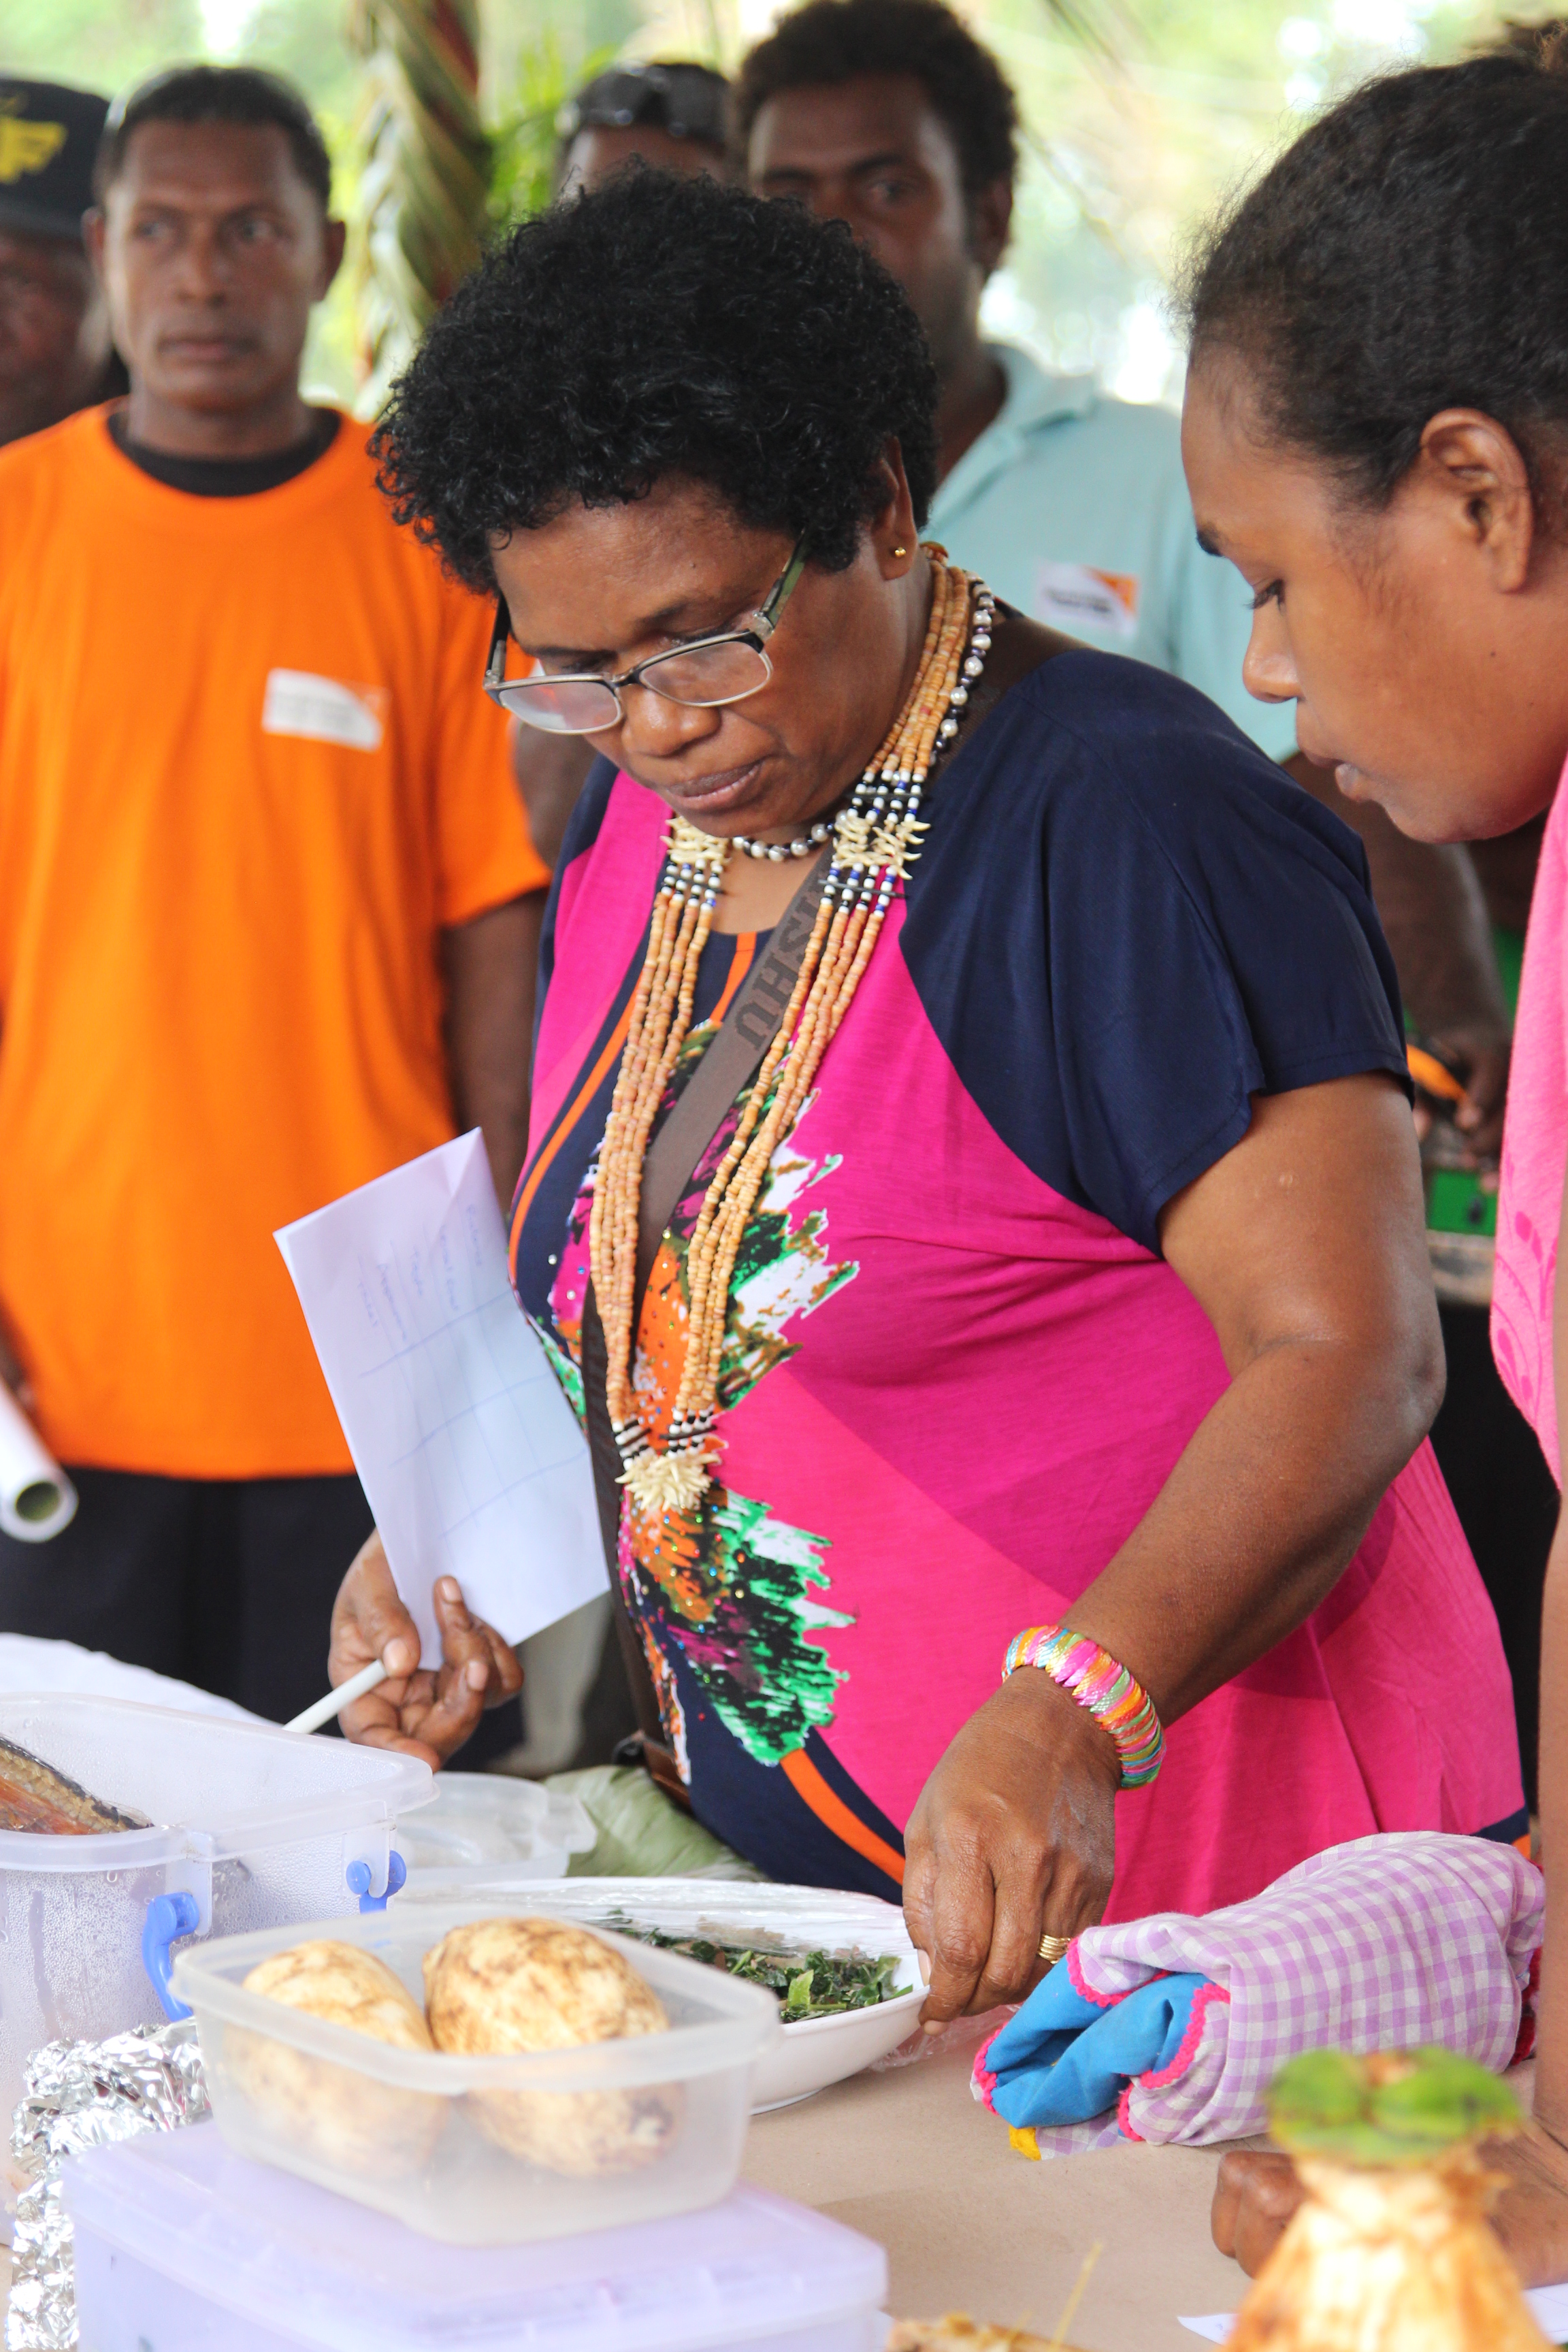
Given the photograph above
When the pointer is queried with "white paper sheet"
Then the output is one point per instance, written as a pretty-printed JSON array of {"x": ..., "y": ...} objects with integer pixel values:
[
  {"x": 1550, "y": 2304},
  {"x": 472, "y": 1458}
]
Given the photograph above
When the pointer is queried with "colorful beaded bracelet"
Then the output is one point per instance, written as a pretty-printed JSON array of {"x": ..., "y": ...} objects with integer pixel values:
[{"x": 1112, "y": 1695}]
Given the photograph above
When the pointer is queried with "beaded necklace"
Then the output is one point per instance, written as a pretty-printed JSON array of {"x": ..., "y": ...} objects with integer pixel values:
[{"x": 876, "y": 841}]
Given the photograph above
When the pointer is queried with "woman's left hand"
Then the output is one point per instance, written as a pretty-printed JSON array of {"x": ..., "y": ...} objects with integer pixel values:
[
  {"x": 1256, "y": 2191},
  {"x": 424, "y": 1712},
  {"x": 1305, "y": 1246},
  {"x": 1015, "y": 1835}
]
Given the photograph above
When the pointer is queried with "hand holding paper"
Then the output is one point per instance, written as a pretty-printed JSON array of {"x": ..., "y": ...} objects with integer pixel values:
[{"x": 470, "y": 1455}]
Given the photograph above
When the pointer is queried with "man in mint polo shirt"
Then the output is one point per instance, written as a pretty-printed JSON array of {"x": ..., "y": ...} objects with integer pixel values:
[
  {"x": 1074, "y": 508},
  {"x": 889, "y": 115}
]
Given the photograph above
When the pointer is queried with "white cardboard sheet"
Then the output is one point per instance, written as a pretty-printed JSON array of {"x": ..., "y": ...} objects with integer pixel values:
[
  {"x": 1549, "y": 2304},
  {"x": 471, "y": 1456}
]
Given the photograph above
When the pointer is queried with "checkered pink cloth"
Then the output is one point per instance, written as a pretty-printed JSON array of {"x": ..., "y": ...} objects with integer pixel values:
[{"x": 1389, "y": 1942}]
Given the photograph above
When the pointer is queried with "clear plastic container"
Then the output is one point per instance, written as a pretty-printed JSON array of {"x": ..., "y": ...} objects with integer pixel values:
[
  {"x": 811, "y": 2054},
  {"x": 485, "y": 1823},
  {"x": 182, "y": 2246},
  {"x": 254, "y": 1827},
  {"x": 615, "y": 2132}
]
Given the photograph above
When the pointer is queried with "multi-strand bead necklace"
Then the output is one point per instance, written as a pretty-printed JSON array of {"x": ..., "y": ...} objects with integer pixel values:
[{"x": 876, "y": 840}]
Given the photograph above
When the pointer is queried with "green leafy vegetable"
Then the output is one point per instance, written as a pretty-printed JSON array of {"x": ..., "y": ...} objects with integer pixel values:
[{"x": 808, "y": 1984}]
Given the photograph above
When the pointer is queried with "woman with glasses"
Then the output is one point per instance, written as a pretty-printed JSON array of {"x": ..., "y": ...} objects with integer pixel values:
[{"x": 972, "y": 1197}]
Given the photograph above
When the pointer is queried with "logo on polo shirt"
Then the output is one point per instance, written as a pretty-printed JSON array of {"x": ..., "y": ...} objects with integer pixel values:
[
  {"x": 1075, "y": 596},
  {"x": 26, "y": 147},
  {"x": 322, "y": 709}
]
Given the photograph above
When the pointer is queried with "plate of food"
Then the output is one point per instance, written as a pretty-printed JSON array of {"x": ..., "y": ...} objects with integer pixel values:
[{"x": 841, "y": 1967}]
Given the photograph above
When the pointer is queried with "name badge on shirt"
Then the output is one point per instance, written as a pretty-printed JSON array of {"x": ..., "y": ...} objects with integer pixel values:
[
  {"x": 1075, "y": 596},
  {"x": 322, "y": 709}
]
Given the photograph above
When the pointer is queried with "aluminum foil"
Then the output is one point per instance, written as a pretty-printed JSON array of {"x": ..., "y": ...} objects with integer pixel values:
[{"x": 83, "y": 2095}]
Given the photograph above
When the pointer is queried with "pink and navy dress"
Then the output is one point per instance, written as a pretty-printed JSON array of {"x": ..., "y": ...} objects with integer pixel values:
[{"x": 958, "y": 1370}]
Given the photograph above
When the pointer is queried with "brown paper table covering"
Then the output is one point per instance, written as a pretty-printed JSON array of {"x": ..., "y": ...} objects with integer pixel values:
[{"x": 910, "y": 2159}]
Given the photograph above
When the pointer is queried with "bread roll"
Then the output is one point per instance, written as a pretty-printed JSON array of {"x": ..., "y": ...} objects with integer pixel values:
[
  {"x": 373, "y": 2130},
  {"x": 514, "y": 1985}
]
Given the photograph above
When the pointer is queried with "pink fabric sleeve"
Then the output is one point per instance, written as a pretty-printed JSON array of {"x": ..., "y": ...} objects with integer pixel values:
[{"x": 1535, "y": 1150}]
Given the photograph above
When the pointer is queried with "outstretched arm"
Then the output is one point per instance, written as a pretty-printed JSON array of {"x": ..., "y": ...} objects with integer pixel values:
[{"x": 1304, "y": 1245}]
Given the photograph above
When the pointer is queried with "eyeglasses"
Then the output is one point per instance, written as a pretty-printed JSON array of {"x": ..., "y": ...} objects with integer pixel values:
[{"x": 701, "y": 675}]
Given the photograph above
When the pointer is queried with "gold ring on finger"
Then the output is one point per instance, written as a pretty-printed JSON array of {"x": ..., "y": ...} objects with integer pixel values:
[{"x": 1052, "y": 1947}]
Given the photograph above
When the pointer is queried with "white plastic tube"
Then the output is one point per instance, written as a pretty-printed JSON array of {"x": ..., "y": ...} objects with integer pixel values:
[
  {"x": 336, "y": 1700},
  {"x": 37, "y": 1498}
]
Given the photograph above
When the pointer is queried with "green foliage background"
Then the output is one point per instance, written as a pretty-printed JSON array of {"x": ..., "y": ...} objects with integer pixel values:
[{"x": 1140, "y": 115}]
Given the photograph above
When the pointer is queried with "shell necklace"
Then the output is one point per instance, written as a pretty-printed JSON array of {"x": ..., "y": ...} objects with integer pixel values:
[{"x": 876, "y": 841}]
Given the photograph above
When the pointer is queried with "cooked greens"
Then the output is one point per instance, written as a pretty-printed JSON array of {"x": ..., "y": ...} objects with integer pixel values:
[{"x": 807, "y": 1984}]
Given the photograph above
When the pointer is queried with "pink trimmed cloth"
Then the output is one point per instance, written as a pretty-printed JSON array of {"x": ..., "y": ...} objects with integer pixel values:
[
  {"x": 1535, "y": 1150},
  {"x": 1388, "y": 1943}
]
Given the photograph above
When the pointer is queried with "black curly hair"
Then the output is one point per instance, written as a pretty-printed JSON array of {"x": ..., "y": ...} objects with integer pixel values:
[
  {"x": 1408, "y": 254},
  {"x": 832, "y": 41},
  {"x": 662, "y": 325}
]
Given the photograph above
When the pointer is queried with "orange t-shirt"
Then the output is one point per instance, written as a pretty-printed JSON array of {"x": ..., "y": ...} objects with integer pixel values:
[{"x": 247, "y": 775}]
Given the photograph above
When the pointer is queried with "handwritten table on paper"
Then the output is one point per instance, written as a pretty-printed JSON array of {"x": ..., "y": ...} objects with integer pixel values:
[{"x": 471, "y": 1457}]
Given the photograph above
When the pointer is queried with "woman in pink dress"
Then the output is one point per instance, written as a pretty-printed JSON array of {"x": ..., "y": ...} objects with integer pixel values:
[
  {"x": 1376, "y": 436},
  {"x": 1080, "y": 1284}
]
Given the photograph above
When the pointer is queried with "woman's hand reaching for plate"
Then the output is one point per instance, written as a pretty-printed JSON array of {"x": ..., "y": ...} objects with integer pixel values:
[
  {"x": 428, "y": 1714},
  {"x": 1014, "y": 1838}
]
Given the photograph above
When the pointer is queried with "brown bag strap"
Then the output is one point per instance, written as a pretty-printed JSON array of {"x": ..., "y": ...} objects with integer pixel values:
[{"x": 730, "y": 1062}]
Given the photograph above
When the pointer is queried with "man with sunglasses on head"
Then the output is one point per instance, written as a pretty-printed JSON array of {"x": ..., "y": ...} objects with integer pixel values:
[
  {"x": 269, "y": 911},
  {"x": 672, "y": 116}
]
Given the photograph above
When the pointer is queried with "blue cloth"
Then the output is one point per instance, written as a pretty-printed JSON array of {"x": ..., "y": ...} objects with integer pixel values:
[{"x": 1064, "y": 2059}]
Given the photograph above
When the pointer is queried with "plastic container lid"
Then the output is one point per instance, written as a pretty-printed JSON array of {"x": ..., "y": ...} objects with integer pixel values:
[
  {"x": 236, "y": 1788},
  {"x": 493, "y": 2148},
  {"x": 480, "y": 1824},
  {"x": 325, "y": 2271}
]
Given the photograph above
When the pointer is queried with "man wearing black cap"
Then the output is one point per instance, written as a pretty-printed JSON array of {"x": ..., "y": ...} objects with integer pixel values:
[{"x": 55, "y": 352}]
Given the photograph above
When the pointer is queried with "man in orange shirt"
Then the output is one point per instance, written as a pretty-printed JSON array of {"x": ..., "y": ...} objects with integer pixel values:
[{"x": 269, "y": 909}]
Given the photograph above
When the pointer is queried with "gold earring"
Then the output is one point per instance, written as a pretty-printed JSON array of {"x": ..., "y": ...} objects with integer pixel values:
[{"x": 900, "y": 551}]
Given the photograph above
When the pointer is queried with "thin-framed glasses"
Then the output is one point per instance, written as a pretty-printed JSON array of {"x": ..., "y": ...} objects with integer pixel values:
[{"x": 701, "y": 675}]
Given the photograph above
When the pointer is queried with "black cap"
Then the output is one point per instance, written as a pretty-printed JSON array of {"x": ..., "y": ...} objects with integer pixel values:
[
  {"x": 48, "y": 138},
  {"x": 686, "y": 101}
]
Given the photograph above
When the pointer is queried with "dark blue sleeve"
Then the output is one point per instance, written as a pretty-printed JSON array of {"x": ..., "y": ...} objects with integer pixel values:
[
  {"x": 1128, "y": 922},
  {"x": 1211, "y": 936}
]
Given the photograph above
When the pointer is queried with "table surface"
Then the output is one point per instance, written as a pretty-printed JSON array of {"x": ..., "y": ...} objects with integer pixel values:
[{"x": 908, "y": 2157}]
